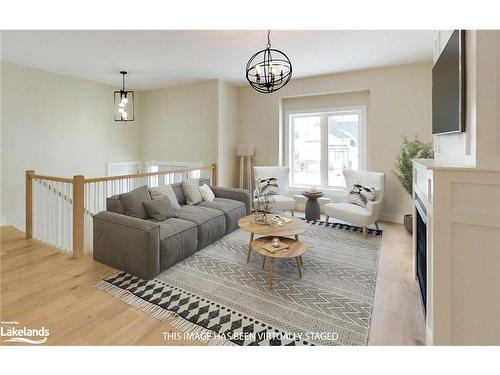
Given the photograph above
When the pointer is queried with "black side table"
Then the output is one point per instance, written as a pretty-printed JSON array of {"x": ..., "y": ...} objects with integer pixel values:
[{"x": 313, "y": 211}]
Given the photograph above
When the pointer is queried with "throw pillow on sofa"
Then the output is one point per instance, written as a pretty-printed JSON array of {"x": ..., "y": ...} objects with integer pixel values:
[
  {"x": 361, "y": 195},
  {"x": 132, "y": 202},
  {"x": 191, "y": 191},
  {"x": 159, "y": 209},
  {"x": 206, "y": 193},
  {"x": 267, "y": 186},
  {"x": 166, "y": 190}
]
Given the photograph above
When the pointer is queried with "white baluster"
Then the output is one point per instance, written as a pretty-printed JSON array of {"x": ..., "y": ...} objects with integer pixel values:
[
  {"x": 58, "y": 205},
  {"x": 45, "y": 216},
  {"x": 34, "y": 209}
]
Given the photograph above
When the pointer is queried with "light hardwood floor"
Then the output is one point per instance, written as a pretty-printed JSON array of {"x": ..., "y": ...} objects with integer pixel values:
[{"x": 41, "y": 286}]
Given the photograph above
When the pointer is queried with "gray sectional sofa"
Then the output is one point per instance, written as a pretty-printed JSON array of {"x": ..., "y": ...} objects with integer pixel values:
[{"x": 146, "y": 247}]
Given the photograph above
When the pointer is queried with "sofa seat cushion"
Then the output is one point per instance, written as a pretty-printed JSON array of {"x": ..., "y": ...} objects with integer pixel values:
[
  {"x": 233, "y": 210},
  {"x": 349, "y": 212},
  {"x": 211, "y": 223},
  {"x": 279, "y": 203},
  {"x": 178, "y": 240}
]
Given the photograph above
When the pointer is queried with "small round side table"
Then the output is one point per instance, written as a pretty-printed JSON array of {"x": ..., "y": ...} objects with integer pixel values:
[{"x": 313, "y": 211}]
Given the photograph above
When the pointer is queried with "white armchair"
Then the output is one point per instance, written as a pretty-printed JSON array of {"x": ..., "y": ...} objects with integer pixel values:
[
  {"x": 280, "y": 202},
  {"x": 362, "y": 216}
]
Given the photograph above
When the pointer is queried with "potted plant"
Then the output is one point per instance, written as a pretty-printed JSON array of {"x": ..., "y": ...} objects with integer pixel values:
[{"x": 410, "y": 149}]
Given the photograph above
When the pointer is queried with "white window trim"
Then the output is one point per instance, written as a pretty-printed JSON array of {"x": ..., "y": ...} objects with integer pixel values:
[
  {"x": 111, "y": 164},
  {"x": 189, "y": 164},
  {"x": 288, "y": 149}
]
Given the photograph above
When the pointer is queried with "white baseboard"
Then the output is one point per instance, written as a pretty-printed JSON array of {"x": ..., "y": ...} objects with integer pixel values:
[
  {"x": 392, "y": 217},
  {"x": 428, "y": 336}
]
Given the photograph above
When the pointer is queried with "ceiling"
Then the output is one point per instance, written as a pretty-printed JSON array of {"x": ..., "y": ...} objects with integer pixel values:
[{"x": 171, "y": 57}]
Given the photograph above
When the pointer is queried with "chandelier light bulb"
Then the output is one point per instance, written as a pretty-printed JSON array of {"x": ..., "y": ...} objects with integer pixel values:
[
  {"x": 124, "y": 100},
  {"x": 120, "y": 110}
]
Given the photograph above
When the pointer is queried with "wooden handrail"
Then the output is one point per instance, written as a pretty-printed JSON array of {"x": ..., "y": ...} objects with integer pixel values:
[
  {"x": 212, "y": 168},
  {"x": 148, "y": 174},
  {"x": 52, "y": 178}
]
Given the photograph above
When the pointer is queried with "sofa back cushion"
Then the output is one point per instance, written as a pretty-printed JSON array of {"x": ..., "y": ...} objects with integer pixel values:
[
  {"x": 177, "y": 188},
  {"x": 114, "y": 204},
  {"x": 133, "y": 202}
]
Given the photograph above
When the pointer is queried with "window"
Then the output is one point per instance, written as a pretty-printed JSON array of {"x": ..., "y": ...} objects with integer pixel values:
[
  {"x": 321, "y": 145},
  {"x": 159, "y": 166}
]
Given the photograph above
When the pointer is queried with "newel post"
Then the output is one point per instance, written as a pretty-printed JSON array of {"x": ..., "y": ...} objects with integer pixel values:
[
  {"x": 78, "y": 215},
  {"x": 214, "y": 174},
  {"x": 29, "y": 203}
]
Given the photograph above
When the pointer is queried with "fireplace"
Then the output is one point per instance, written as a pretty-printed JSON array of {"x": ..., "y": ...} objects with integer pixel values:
[{"x": 421, "y": 249}]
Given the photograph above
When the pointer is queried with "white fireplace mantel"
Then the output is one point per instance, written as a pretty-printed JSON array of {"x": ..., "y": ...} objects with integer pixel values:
[{"x": 463, "y": 252}]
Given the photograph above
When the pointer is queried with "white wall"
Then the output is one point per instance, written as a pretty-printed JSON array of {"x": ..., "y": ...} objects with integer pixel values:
[
  {"x": 487, "y": 99},
  {"x": 399, "y": 104},
  {"x": 62, "y": 126},
  {"x": 69, "y": 126},
  {"x": 326, "y": 101},
  {"x": 3, "y": 219},
  {"x": 181, "y": 123},
  {"x": 227, "y": 170},
  {"x": 57, "y": 125}
]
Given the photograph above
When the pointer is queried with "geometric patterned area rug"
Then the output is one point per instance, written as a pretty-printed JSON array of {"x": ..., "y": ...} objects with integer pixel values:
[{"x": 216, "y": 297}]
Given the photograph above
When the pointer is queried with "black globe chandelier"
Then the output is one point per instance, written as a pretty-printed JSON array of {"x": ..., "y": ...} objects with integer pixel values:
[{"x": 269, "y": 69}]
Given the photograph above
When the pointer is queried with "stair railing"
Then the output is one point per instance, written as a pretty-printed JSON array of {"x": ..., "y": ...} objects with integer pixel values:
[{"x": 59, "y": 210}]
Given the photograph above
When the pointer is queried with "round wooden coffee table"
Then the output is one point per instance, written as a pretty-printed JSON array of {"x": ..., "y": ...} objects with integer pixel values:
[
  {"x": 295, "y": 251},
  {"x": 293, "y": 228}
]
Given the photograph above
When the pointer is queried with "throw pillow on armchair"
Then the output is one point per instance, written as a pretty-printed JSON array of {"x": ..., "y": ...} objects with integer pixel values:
[
  {"x": 267, "y": 186},
  {"x": 360, "y": 195}
]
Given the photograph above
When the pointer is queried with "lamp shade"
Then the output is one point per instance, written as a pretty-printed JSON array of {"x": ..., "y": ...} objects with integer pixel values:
[{"x": 245, "y": 149}]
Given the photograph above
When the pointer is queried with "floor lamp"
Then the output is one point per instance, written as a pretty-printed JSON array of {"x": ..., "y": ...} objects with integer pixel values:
[{"x": 245, "y": 150}]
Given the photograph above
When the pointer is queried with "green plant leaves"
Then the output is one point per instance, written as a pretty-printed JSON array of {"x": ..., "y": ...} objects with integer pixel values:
[{"x": 410, "y": 149}]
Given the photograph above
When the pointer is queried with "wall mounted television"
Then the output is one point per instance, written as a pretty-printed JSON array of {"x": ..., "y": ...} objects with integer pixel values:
[{"x": 448, "y": 87}]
